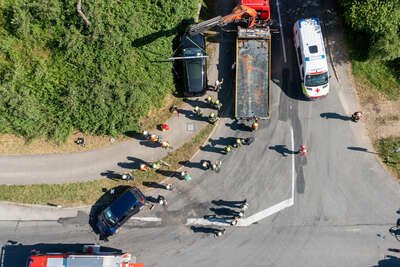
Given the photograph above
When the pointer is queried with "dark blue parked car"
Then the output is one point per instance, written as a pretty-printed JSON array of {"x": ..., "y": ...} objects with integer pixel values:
[{"x": 119, "y": 211}]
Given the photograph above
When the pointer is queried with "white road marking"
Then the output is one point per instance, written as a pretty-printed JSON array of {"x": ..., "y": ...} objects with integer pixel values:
[
  {"x": 293, "y": 167},
  {"x": 201, "y": 221},
  {"x": 265, "y": 213},
  {"x": 280, "y": 26},
  {"x": 146, "y": 219},
  {"x": 259, "y": 215}
]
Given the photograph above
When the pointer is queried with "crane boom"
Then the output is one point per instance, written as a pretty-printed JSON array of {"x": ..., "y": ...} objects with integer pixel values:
[{"x": 237, "y": 14}]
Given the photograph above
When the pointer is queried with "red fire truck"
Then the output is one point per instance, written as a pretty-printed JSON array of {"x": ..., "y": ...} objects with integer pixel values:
[{"x": 90, "y": 257}]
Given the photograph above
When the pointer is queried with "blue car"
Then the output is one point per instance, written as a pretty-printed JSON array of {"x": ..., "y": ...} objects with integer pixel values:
[{"x": 119, "y": 211}]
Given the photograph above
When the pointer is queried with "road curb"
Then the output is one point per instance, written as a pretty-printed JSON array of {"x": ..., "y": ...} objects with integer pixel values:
[{"x": 55, "y": 207}]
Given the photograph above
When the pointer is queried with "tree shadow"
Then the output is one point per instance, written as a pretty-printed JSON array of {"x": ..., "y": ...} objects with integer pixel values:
[
  {"x": 15, "y": 254},
  {"x": 133, "y": 164},
  {"x": 107, "y": 198},
  {"x": 178, "y": 30},
  {"x": 333, "y": 115},
  {"x": 283, "y": 150}
]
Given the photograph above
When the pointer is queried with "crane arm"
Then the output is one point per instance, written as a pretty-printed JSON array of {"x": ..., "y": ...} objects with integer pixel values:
[{"x": 237, "y": 14}]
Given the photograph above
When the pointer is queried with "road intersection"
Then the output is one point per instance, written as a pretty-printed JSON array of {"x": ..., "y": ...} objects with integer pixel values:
[{"x": 333, "y": 208}]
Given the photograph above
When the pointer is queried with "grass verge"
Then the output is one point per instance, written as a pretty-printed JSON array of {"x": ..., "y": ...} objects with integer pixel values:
[
  {"x": 159, "y": 115},
  {"x": 14, "y": 145},
  {"x": 389, "y": 150},
  {"x": 374, "y": 75},
  {"x": 377, "y": 76},
  {"x": 86, "y": 193}
]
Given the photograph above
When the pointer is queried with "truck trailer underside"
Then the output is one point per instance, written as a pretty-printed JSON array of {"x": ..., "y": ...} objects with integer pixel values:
[{"x": 252, "y": 78}]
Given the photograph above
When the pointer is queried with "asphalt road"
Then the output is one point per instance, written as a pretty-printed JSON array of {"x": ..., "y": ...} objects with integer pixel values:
[{"x": 344, "y": 201}]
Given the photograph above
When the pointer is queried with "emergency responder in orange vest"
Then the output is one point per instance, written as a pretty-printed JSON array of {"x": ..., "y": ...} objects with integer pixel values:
[{"x": 254, "y": 126}]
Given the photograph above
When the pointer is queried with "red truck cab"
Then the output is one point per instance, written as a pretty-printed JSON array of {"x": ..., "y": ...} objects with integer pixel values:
[{"x": 261, "y": 6}]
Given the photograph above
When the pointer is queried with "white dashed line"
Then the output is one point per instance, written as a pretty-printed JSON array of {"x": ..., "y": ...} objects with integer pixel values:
[
  {"x": 146, "y": 219},
  {"x": 280, "y": 26}
]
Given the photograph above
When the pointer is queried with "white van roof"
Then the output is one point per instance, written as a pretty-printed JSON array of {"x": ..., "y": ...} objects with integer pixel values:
[{"x": 313, "y": 45}]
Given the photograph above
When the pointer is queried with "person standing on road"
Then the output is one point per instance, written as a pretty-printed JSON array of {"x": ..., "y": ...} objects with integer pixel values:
[
  {"x": 228, "y": 149},
  {"x": 302, "y": 151},
  {"x": 165, "y": 145},
  {"x": 161, "y": 200},
  {"x": 212, "y": 118},
  {"x": 174, "y": 110},
  {"x": 218, "y": 85},
  {"x": 197, "y": 111},
  {"x": 356, "y": 116},
  {"x": 255, "y": 125},
  {"x": 185, "y": 175},
  {"x": 156, "y": 165}
]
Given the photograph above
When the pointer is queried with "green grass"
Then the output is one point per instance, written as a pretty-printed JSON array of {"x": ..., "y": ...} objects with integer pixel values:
[
  {"x": 58, "y": 75},
  {"x": 387, "y": 148},
  {"x": 378, "y": 76},
  {"x": 86, "y": 193}
]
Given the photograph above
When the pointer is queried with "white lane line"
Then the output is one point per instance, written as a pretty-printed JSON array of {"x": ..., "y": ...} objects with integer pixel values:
[
  {"x": 146, "y": 219},
  {"x": 282, "y": 37},
  {"x": 265, "y": 213},
  {"x": 293, "y": 167},
  {"x": 201, "y": 221},
  {"x": 259, "y": 215}
]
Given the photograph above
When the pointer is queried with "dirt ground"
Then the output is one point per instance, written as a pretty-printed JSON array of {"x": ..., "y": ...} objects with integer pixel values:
[
  {"x": 13, "y": 145},
  {"x": 381, "y": 116}
]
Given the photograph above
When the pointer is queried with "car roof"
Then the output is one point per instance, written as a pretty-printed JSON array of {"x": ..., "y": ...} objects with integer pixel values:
[
  {"x": 313, "y": 44},
  {"x": 192, "y": 41},
  {"x": 126, "y": 201}
]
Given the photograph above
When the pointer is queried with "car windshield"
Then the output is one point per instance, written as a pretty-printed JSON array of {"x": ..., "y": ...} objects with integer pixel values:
[
  {"x": 110, "y": 217},
  {"x": 316, "y": 79}
]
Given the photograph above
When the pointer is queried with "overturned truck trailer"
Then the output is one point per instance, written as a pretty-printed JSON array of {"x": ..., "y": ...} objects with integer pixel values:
[{"x": 253, "y": 73}]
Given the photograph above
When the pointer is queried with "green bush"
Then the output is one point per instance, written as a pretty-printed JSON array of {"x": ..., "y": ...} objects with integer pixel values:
[
  {"x": 389, "y": 150},
  {"x": 58, "y": 74}
]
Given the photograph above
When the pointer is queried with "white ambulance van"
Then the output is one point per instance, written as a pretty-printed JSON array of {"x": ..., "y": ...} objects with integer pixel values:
[{"x": 311, "y": 57}]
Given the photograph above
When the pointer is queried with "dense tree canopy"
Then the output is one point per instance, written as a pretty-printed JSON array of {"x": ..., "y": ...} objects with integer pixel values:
[
  {"x": 58, "y": 74},
  {"x": 380, "y": 20}
]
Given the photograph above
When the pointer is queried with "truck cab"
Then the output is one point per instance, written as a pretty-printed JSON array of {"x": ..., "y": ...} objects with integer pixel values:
[
  {"x": 261, "y": 6},
  {"x": 311, "y": 57}
]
